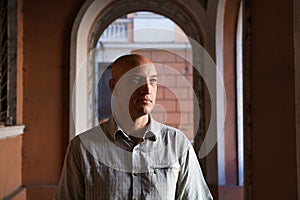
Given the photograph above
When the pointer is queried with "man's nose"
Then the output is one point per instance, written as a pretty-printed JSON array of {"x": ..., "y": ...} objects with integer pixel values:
[{"x": 146, "y": 88}]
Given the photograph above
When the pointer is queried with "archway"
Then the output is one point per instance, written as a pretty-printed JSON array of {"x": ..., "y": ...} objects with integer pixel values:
[
  {"x": 91, "y": 21},
  {"x": 163, "y": 42}
]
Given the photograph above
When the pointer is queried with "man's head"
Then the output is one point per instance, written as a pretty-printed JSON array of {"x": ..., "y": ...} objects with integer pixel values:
[{"x": 134, "y": 85}]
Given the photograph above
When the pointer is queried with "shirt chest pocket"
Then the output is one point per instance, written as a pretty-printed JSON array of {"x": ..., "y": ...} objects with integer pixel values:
[
  {"x": 164, "y": 174},
  {"x": 163, "y": 181}
]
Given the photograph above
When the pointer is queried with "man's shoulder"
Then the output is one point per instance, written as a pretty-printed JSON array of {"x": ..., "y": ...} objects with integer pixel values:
[
  {"x": 172, "y": 142},
  {"x": 170, "y": 130},
  {"x": 90, "y": 136},
  {"x": 81, "y": 140},
  {"x": 169, "y": 134}
]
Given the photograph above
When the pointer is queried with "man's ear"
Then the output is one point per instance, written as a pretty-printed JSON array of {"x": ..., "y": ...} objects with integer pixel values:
[{"x": 112, "y": 84}]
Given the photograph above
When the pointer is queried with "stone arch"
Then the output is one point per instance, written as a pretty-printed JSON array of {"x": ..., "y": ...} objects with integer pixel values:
[{"x": 189, "y": 25}]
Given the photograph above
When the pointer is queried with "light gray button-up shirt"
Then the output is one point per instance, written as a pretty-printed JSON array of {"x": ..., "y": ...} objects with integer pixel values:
[{"x": 104, "y": 163}]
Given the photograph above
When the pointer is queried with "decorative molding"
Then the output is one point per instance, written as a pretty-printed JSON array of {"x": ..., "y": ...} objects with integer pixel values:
[
  {"x": 122, "y": 7},
  {"x": 11, "y": 131}
]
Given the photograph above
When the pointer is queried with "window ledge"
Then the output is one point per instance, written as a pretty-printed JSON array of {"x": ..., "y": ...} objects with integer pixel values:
[{"x": 11, "y": 131}]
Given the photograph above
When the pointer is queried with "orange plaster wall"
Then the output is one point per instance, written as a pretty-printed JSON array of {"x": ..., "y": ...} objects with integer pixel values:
[
  {"x": 45, "y": 193},
  {"x": 273, "y": 100},
  {"x": 10, "y": 166},
  {"x": 46, "y": 42}
]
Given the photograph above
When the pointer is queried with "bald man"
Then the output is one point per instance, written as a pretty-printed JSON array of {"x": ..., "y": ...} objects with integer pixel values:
[{"x": 131, "y": 156}]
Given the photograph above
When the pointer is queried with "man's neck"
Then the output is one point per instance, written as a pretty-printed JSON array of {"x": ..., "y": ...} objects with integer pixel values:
[
  {"x": 140, "y": 122},
  {"x": 135, "y": 127}
]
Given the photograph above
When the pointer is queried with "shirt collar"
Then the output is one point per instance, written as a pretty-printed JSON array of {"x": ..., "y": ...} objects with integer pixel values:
[{"x": 151, "y": 133}]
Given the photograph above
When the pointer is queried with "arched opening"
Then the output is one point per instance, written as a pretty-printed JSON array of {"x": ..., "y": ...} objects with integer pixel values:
[
  {"x": 161, "y": 40},
  {"x": 91, "y": 22},
  {"x": 95, "y": 17}
]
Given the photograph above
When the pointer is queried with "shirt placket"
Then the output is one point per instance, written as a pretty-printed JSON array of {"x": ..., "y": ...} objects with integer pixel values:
[{"x": 136, "y": 175}]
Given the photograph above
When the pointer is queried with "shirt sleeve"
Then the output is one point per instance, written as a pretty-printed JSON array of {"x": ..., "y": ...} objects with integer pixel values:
[
  {"x": 71, "y": 183},
  {"x": 191, "y": 183}
]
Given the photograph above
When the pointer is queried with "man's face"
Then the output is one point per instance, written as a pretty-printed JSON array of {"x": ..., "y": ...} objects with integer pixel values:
[{"x": 138, "y": 87}]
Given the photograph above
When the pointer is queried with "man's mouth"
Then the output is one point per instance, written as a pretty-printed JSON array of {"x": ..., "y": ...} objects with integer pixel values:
[{"x": 146, "y": 100}]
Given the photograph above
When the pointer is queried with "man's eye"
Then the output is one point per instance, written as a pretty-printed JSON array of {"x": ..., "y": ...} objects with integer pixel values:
[
  {"x": 135, "y": 81},
  {"x": 153, "y": 80}
]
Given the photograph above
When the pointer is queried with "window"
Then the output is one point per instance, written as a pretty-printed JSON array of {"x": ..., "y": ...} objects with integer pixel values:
[{"x": 8, "y": 52}]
